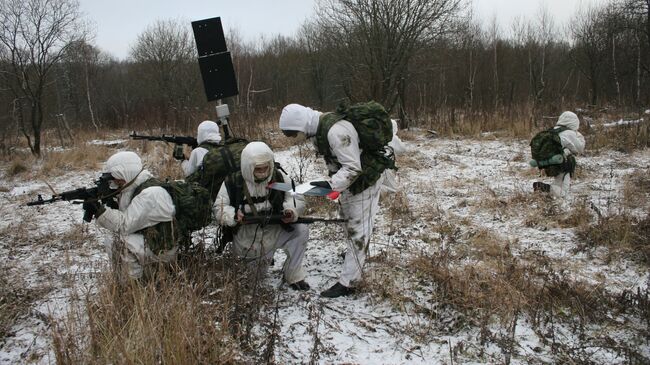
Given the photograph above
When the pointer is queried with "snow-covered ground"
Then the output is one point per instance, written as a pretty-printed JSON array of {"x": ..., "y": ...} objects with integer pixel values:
[{"x": 472, "y": 184}]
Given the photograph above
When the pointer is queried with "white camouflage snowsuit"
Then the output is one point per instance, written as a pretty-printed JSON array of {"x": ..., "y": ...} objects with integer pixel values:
[
  {"x": 255, "y": 242},
  {"x": 360, "y": 209},
  {"x": 573, "y": 143},
  {"x": 391, "y": 181},
  {"x": 152, "y": 206},
  {"x": 208, "y": 131}
]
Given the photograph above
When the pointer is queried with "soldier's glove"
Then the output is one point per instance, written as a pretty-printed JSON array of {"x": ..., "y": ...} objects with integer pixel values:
[
  {"x": 321, "y": 184},
  {"x": 92, "y": 209},
  {"x": 178, "y": 153},
  {"x": 111, "y": 203}
]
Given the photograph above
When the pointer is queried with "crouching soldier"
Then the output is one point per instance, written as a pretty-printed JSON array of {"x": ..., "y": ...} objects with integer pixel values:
[
  {"x": 245, "y": 194},
  {"x": 208, "y": 137},
  {"x": 554, "y": 150},
  {"x": 143, "y": 219},
  {"x": 357, "y": 174}
]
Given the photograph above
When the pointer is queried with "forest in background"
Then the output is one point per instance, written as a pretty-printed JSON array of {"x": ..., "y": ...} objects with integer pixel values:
[{"x": 439, "y": 64}]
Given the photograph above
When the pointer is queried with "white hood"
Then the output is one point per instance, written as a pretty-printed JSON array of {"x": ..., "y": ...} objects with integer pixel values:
[
  {"x": 256, "y": 153},
  {"x": 296, "y": 117},
  {"x": 208, "y": 131},
  {"x": 124, "y": 165},
  {"x": 569, "y": 120}
]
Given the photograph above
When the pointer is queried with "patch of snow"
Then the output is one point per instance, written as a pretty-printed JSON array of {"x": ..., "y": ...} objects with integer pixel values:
[
  {"x": 450, "y": 177},
  {"x": 622, "y": 122},
  {"x": 109, "y": 143}
]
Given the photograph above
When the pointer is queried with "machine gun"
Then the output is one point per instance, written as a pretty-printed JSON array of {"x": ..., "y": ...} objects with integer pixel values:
[
  {"x": 101, "y": 191},
  {"x": 179, "y": 141}
]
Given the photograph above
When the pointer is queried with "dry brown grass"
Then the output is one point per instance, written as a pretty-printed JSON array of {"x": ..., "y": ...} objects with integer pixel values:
[
  {"x": 83, "y": 157},
  {"x": 636, "y": 190},
  {"x": 476, "y": 275},
  {"x": 535, "y": 209},
  {"x": 412, "y": 160},
  {"x": 15, "y": 300},
  {"x": 16, "y": 167},
  {"x": 499, "y": 286},
  {"x": 503, "y": 123},
  {"x": 579, "y": 217},
  {"x": 626, "y": 138},
  {"x": 202, "y": 312},
  {"x": 398, "y": 206},
  {"x": 623, "y": 234}
]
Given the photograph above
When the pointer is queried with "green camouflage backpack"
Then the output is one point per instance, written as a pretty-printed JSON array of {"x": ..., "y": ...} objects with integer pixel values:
[
  {"x": 375, "y": 130},
  {"x": 548, "y": 152},
  {"x": 220, "y": 161},
  {"x": 545, "y": 145},
  {"x": 193, "y": 212}
]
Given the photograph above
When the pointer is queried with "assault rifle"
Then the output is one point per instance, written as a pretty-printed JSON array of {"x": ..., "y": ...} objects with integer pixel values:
[
  {"x": 101, "y": 191},
  {"x": 277, "y": 219},
  {"x": 227, "y": 232},
  {"x": 179, "y": 141}
]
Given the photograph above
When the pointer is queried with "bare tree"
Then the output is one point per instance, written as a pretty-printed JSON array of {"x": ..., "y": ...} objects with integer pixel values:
[
  {"x": 494, "y": 36},
  {"x": 377, "y": 39},
  {"x": 470, "y": 41},
  {"x": 166, "y": 58},
  {"x": 540, "y": 35},
  {"x": 34, "y": 35},
  {"x": 80, "y": 67},
  {"x": 589, "y": 51}
]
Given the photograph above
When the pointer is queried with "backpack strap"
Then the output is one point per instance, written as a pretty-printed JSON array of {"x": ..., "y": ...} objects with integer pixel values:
[
  {"x": 209, "y": 145},
  {"x": 560, "y": 129},
  {"x": 146, "y": 184},
  {"x": 325, "y": 123},
  {"x": 237, "y": 192},
  {"x": 373, "y": 163},
  {"x": 161, "y": 236}
]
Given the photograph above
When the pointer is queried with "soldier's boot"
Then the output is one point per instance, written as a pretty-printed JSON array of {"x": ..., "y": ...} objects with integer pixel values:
[
  {"x": 337, "y": 290},
  {"x": 540, "y": 186},
  {"x": 300, "y": 285}
]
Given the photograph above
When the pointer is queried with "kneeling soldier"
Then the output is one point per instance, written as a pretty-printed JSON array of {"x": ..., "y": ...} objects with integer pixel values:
[
  {"x": 143, "y": 220},
  {"x": 246, "y": 193}
]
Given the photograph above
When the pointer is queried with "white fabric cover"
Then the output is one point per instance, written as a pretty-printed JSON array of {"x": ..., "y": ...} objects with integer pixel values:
[
  {"x": 152, "y": 206},
  {"x": 396, "y": 143},
  {"x": 208, "y": 131},
  {"x": 125, "y": 165},
  {"x": 391, "y": 180},
  {"x": 560, "y": 186},
  {"x": 360, "y": 211},
  {"x": 572, "y": 140},
  {"x": 295, "y": 117},
  {"x": 573, "y": 143},
  {"x": 344, "y": 144},
  {"x": 253, "y": 241}
]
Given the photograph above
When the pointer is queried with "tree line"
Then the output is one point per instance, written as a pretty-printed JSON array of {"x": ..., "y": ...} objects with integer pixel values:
[{"x": 416, "y": 57}]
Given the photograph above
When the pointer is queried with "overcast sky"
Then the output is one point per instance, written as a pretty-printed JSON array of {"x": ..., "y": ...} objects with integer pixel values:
[{"x": 117, "y": 23}]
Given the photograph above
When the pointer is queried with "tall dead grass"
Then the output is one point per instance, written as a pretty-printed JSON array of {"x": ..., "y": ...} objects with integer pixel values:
[
  {"x": 623, "y": 234},
  {"x": 515, "y": 122},
  {"x": 497, "y": 285},
  {"x": 624, "y": 138},
  {"x": 201, "y": 312},
  {"x": 15, "y": 300}
]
